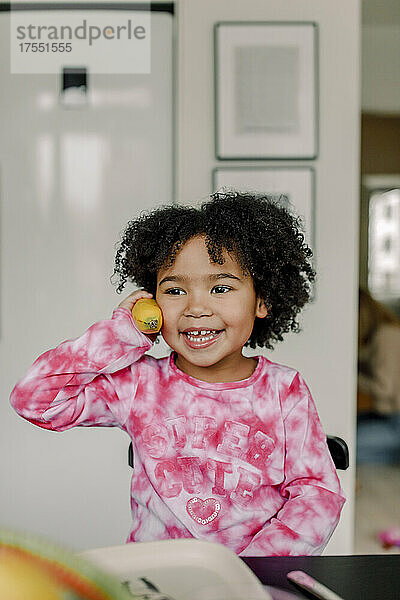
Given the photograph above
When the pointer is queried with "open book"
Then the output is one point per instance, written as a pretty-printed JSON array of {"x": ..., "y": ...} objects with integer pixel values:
[{"x": 182, "y": 569}]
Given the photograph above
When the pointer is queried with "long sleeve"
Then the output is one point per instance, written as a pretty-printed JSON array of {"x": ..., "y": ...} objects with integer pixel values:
[
  {"x": 311, "y": 487},
  {"x": 85, "y": 381}
]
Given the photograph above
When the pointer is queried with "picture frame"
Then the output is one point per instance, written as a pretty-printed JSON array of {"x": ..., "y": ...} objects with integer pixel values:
[
  {"x": 266, "y": 101},
  {"x": 297, "y": 184}
]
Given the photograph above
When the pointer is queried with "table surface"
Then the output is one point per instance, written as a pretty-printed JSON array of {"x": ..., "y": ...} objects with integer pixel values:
[{"x": 354, "y": 577}]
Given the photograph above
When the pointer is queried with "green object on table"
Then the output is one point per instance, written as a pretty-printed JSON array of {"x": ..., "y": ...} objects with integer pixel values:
[{"x": 72, "y": 577}]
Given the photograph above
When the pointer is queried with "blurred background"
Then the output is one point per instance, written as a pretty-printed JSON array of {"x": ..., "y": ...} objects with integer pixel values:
[
  {"x": 378, "y": 399},
  {"x": 80, "y": 156}
]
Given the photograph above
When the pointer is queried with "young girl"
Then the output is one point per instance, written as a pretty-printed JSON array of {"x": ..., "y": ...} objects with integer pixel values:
[{"x": 226, "y": 448}]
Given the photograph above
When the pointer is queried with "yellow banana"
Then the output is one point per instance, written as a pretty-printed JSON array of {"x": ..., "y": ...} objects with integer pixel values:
[{"x": 147, "y": 315}]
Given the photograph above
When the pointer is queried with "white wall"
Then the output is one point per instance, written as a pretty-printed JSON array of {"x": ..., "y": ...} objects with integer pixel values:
[{"x": 325, "y": 352}]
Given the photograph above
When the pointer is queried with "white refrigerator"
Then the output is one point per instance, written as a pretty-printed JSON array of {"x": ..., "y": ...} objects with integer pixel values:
[{"x": 71, "y": 177}]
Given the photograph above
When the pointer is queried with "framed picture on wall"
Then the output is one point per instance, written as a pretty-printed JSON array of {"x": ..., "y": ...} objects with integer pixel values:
[
  {"x": 296, "y": 186},
  {"x": 266, "y": 90}
]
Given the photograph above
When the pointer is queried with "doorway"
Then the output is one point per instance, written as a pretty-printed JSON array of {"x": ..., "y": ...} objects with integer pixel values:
[{"x": 378, "y": 456}]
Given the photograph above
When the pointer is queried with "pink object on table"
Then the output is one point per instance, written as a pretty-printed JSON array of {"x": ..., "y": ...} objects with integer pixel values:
[
  {"x": 390, "y": 537},
  {"x": 311, "y": 585}
]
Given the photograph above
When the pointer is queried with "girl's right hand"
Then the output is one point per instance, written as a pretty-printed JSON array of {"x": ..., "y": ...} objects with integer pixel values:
[{"x": 130, "y": 301}]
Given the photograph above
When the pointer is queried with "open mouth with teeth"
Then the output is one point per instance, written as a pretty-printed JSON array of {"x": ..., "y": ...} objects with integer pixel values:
[{"x": 201, "y": 336}]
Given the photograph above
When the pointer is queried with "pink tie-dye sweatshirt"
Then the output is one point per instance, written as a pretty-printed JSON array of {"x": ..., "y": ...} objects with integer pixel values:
[{"x": 242, "y": 463}]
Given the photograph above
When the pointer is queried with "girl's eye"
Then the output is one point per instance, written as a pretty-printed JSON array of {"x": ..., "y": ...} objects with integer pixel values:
[
  {"x": 174, "y": 291},
  {"x": 222, "y": 288}
]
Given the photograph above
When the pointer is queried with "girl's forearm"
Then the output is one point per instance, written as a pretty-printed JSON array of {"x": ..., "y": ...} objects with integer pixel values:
[{"x": 72, "y": 384}]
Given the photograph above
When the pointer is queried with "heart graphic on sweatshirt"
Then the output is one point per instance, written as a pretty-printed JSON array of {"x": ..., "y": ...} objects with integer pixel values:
[{"x": 203, "y": 511}]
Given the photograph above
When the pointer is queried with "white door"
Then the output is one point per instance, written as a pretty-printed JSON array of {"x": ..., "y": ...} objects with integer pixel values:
[{"x": 70, "y": 179}]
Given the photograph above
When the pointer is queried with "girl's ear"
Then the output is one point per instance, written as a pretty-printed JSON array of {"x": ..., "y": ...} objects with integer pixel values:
[{"x": 261, "y": 309}]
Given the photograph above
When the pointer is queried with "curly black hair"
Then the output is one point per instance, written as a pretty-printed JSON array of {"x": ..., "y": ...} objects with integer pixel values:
[{"x": 264, "y": 236}]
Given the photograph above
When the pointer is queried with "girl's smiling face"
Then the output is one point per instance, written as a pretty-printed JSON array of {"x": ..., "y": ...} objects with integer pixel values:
[{"x": 208, "y": 313}]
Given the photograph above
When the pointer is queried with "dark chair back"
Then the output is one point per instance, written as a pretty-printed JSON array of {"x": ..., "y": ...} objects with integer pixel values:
[{"x": 339, "y": 451}]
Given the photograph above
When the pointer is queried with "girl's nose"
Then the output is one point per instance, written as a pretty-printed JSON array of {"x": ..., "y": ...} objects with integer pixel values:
[{"x": 198, "y": 305}]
